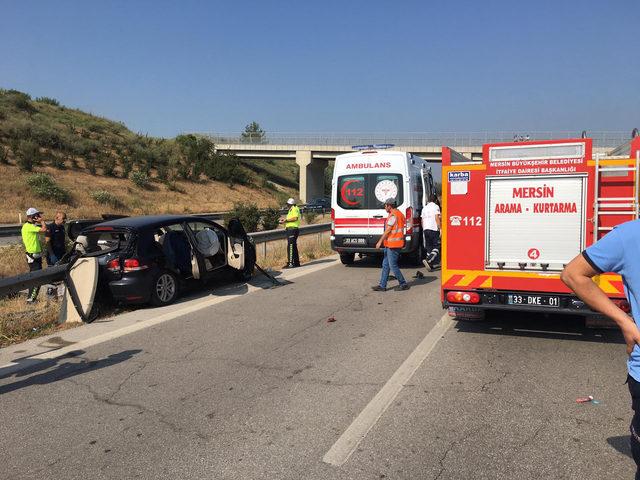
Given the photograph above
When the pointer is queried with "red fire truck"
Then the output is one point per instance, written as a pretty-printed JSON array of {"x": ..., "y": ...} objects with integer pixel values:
[{"x": 512, "y": 221}]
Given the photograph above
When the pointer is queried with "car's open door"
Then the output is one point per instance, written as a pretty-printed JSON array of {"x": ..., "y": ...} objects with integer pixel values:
[
  {"x": 209, "y": 245},
  {"x": 236, "y": 244}
]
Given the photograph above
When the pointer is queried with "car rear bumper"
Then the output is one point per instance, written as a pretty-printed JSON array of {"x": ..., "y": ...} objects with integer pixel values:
[
  {"x": 499, "y": 300},
  {"x": 132, "y": 289},
  {"x": 338, "y": 244}
]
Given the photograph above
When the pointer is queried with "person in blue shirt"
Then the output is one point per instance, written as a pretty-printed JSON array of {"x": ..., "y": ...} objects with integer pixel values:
[{"x": 617, "y": 252}]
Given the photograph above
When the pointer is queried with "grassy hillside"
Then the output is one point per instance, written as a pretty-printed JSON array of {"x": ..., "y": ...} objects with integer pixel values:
[{"x": 94, "y": 165}]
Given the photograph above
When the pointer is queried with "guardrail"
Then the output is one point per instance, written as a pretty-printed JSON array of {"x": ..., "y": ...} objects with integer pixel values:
[
  {"x": 14, "y": 230},
  {"x": 412, "y": 139},
  {"x": 12, "y": 285}
]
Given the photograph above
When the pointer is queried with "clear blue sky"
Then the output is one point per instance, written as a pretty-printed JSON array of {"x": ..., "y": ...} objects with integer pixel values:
[{"x": 165, "y": 67}]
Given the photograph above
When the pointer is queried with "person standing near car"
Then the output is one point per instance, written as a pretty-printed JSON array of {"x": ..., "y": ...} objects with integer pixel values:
[
  {"x": 431, "y": 220},
  {"x": 32, "y": 246},
  {"x": 292, "y": 227},
  {"x": 55, "y": 239},
  {"x": 393, "y": 241}
]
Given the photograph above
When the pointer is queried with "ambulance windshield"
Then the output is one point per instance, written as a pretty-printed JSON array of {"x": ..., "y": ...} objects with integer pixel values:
[{"x": 368, "y": 191}]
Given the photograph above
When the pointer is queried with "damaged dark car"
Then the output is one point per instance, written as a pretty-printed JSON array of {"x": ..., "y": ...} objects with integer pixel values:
[{"x": 151, "y": 259}]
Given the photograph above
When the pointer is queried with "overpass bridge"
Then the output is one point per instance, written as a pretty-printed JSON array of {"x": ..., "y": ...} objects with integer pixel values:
[{"x": 312, "y": 152}]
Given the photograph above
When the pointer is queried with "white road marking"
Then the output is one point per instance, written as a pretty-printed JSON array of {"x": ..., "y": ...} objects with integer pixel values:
[
  {"x": 12, "y": 367},
  {"x": 357, "y": 431}
]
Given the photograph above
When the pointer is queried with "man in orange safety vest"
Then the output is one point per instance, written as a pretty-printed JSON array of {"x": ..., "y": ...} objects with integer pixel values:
[{"x": 393, "y": 241}]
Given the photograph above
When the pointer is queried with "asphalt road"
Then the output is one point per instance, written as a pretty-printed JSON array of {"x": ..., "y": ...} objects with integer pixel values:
[{"x": 262, "y": 386}]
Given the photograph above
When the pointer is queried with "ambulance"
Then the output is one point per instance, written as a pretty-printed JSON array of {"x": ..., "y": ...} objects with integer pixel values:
[
  {"x": 362, "y": 181},
  {"x": 512, "y": 221}
]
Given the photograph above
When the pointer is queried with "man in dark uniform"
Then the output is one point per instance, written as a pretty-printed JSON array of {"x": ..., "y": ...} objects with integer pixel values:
[{"x": 56, "y": 239}]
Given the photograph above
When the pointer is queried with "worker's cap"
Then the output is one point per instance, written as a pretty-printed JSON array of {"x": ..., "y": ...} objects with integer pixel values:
[
  {"x": 291, "y": 201},
  {"x": 32, "y": 211},
  {"x": 390, "y": 201}
]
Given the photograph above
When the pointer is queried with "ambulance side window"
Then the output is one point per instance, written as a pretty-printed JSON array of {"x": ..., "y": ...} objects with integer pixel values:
[
  {"x": 428, "y": 186},
  {"x": 421, "y": 193}
]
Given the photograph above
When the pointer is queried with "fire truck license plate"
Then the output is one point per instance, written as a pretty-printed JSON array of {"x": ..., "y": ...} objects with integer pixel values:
[
  {"x": 542, "y": 300},
  {"x": 354, "y": 241}
]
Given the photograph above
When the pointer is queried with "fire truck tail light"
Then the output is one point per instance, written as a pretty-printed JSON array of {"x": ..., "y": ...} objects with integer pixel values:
[
  {"x": 623, "y": 305},
  {"x": 463, "y": 297}
]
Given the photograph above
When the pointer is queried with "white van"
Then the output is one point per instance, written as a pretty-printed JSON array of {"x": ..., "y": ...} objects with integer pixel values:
[{"x": 362, "y": 181}]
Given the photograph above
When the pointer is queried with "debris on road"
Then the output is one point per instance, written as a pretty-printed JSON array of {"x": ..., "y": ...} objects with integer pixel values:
[
  {"x": 331, "y": 319},
  {"x": 585, "y": 399}
]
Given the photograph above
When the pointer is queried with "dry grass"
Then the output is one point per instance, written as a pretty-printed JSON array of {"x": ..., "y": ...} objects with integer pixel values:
[
  {"x": 20, "y": 322},
  {"x": 206, "y": 196},
  {"x": 310, "y": 247},
  {"x": 12, "y": 261}
]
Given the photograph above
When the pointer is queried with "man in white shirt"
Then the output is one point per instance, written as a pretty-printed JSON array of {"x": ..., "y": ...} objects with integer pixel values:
[{"x": 431, "y": 231}]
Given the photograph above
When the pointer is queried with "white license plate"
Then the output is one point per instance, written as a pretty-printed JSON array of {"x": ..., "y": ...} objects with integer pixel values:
[
  {"x": 354, "y": 241},
  {"x": 534, "y": 300}
]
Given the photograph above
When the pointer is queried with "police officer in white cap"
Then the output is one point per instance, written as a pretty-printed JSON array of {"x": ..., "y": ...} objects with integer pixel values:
[
  {"x": 32, "y": 246},
  {"x": 292, "y": 226}
]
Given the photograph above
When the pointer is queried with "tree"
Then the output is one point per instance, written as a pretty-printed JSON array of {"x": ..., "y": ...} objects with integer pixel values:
[
  {"x": 253, "y": 134},
  {"x": 197, "y": 152}
]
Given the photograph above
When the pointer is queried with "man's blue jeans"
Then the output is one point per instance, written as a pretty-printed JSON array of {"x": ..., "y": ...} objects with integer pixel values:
[{"x": 390, "y": 262}]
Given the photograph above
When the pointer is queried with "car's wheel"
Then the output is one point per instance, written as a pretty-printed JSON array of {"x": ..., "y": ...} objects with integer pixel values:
[
  {"x": 347, "y": 258},
  {"x": 164, "y": 289}
]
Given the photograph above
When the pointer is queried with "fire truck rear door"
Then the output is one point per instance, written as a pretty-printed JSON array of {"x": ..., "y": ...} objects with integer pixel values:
[{"x": 534, "y": 223}]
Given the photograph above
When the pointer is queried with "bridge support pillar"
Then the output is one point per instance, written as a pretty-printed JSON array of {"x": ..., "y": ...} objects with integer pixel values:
[{"x": 311, "y": 175}]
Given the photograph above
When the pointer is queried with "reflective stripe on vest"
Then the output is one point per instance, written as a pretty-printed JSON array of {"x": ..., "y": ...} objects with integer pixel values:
[{"x": 396, "y": 237}]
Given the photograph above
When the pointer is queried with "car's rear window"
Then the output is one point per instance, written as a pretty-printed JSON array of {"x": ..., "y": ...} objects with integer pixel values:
[
  {"x": 107, "y": 240},
  {"x": 368, "y": 191}
]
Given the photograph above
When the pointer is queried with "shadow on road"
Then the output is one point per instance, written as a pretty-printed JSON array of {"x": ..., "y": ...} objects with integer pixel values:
[
  {"x": 61, "y": 371},
  {"x": 621, "y": 444},
  {"x": 560, "y": 327}
]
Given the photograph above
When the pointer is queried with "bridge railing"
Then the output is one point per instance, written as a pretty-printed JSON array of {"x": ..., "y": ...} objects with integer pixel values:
[{"x": 405, "y": 139}]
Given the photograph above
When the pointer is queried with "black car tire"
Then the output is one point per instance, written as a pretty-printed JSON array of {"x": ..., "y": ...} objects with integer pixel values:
[
  {"x": 164, "y": 289},
  {"x": 347, "y": 258}
]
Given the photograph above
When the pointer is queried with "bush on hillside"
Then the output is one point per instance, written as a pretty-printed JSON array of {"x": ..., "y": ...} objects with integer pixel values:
[
  {"x": 106, "y": 198},
  {"x": 140, "y": 179},
  {"x": 27, "y": 156},
  {"x": 83, "y": 147},
  {"x": 270, "y": 218},
  {"x": 4, "y": 156},
  {"x": 108, "y": 165},
  {"x": 49, "y": 101},
  {"x": 47, "y": 137},
  {"x": 227, "y": 169},
  {"x": 20, "y": 100},
  {"x": 172, "y": 186},
  {"x": 91, "y": 164},
  {"x": 44, "y": 186},
  {"x": 248, "y": 213},
  {"x": 127, "y": 166}
]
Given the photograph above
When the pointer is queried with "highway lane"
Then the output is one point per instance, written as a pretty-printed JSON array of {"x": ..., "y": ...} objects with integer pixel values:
[{"x": 263, "y": 386}]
